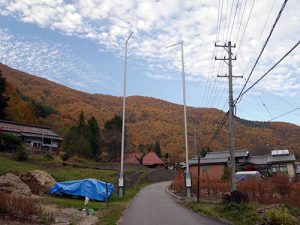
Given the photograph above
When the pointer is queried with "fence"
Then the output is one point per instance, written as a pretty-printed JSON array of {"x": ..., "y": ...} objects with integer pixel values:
[{"x": 277, "y": 189}]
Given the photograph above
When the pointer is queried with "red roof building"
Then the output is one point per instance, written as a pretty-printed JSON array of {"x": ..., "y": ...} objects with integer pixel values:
[
  {"x": 150, "y": 159},
  {"x": 132, "y": 158}
]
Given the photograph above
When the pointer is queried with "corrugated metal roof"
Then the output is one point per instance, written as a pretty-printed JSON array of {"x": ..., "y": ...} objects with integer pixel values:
[
  {"x": 226, "y": 154},
  {"x": 9, "y": 126}
]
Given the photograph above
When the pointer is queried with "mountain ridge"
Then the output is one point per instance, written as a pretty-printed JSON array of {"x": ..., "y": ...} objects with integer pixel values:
[{"x": 148, "y": 118}]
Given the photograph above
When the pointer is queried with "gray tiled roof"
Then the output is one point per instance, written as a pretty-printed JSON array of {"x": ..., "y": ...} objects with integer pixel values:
[
  {"x": 268, "y": 159},
  {"x": 258, "y": 160},
  {"x": 226, "y": 154},
  {"x": 13, "y": 127},
  {"x": 203, "y": 161},
  {"x": 281, "y": 158}
]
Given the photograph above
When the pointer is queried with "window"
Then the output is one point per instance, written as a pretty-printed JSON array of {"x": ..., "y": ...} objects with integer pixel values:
[
  {"x": 47, "y": 141},
  {"x": 279, "y": 169}
]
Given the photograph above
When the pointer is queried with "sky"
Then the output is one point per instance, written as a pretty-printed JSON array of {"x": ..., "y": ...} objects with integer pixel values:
[{"x": 81, "y": 44}]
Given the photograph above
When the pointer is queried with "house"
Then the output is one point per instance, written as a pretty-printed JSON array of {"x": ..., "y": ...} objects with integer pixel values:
[
  {"x": 149, "y": 160},
  {"x": 215, "y": 164},
  {"x": 34, "y": 137}
]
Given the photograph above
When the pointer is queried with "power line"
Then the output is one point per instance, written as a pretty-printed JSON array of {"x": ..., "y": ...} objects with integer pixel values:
[
  {"x": 241, "y": 41},
  {"x": 264, "y": 46},
  {"x": 237, "y": 5},
  {"x": 222, "y": 123},
  {"x": 238, "y": 31},
  {"x": 212, "y": 63},
  {"x": 261, "y": 33},
  {"x": 282, "y": 58},
  {"x": 283, "y": 114}
]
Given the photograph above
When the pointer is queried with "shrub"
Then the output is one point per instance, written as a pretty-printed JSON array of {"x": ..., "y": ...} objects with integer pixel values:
[
  {"x": 48, "y": 157},
  {"x": 18, "y": 207},
  {"x": 9, "y": 142},
  {"x": 21, "y": 154},
  {"x": 278, "y": 217}
]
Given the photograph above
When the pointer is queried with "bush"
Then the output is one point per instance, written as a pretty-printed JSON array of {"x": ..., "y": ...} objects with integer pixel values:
[
  {"x": 48, "y": 157},
  {"x": 279, "y": 217},
  {"x": 65, "y": 156},
  {"x": 18, "y": 207},
  {"x": 9, "y": 142},
  {"x": 21, "y": 154}
]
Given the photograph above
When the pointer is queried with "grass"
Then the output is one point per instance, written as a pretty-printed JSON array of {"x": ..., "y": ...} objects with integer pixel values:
[
  {"x": 72, "y": 203},
  {"x": 238, "y": 214},
  {"x": 54, "y": 166},
  {"x": 248, "y": 214}
]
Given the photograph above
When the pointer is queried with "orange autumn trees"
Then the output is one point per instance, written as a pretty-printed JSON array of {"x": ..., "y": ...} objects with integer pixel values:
[{"x": 146, "y": 118}]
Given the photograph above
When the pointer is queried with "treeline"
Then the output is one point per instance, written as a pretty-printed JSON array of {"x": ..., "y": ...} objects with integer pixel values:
[
  {"x": 39, "y": 109},
  {"x": 86, "y": 139}
]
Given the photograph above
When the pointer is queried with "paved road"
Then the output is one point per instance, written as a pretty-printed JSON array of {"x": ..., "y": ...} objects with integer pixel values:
[{"x": 154, "y": 206}]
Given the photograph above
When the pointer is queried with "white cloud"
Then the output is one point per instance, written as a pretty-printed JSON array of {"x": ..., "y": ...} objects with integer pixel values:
[
  {"x": 157, "y": 24},
  {"x": 53, "y": 61}
]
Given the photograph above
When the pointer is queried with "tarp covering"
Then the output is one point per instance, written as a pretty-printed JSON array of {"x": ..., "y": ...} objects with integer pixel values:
[{"x": 90, "y": 188}]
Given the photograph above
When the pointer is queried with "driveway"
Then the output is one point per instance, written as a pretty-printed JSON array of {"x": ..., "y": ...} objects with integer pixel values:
[{"x": 154, "y": 206}]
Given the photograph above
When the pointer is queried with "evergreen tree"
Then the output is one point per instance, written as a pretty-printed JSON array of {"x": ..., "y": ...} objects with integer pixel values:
[
  {"x": 3, "y": 99},
  {"x": 112, "y": 140},
  {"x": 93, "y": 133},
  {"x": 157, "y": 148},
  {"x": 81, "y": 123}
]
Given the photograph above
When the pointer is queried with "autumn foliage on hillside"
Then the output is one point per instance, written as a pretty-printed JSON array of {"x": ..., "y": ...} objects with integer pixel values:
[{"x": 146, "y": 118}]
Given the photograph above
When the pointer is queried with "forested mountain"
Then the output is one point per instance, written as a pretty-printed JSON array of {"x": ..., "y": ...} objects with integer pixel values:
[{"x": 37, "y": 100}]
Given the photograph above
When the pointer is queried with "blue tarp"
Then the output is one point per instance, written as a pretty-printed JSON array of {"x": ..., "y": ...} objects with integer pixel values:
[{"x": 90, "y": 188}]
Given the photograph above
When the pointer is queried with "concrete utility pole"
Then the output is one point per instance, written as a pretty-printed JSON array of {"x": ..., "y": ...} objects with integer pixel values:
[
  {"x": 228, "y": 47},
  {"x": 121, "y": 177},
  {"x": 197, "y": 150},
  {"x": 188, "y": 181}
]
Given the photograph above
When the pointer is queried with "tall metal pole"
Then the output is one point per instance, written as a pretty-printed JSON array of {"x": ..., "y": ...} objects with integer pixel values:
[
  {"x": 188, "y": 182},
  {"x": 121, "y": 177},
  {"x": 231, "y": 109},
  {"x": 231, "y": 120}
]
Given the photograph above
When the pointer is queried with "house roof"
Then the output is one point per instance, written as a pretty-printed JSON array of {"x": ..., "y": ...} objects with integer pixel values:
[
  {"x": 149, "y": 159},
  {"x": 269, "y": 159},
  {"x": 13, "y": 127},
  {"x": 226, "y": 154},
  {"x": 152, "y": 159},
  {"x": 203, "y": 161},
  {"x": 258, "y": 160},
  {"x": 131, "y": 158}
]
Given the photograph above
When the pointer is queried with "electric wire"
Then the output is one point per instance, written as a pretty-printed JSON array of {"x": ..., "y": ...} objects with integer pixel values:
[
  {"x": 265, "y": 44},
  {"x": 266, "y": 73}
]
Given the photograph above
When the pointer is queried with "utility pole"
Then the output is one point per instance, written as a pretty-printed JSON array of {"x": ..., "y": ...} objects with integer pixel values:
[
  {"x": 188, "y": 178},
  {"x": 121, "y": 179},
  {"x": 197, "y": 150},
  {"x": 228, "y": 47}
]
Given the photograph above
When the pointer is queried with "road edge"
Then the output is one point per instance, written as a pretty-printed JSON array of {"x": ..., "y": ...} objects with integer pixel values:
[{"x": 172, "y": 194}]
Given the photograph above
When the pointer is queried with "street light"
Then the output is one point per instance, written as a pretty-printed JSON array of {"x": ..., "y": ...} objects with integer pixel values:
[
  {"x": 121, "y": 177},
  {"x": 188, "y": 181}
]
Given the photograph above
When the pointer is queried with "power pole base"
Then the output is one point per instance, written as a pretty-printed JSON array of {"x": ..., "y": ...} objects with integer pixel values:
[
  {"x": 121, "y": 188},
  {"x": 188, "y": 192},
  {"x": 188, "y": 185}
]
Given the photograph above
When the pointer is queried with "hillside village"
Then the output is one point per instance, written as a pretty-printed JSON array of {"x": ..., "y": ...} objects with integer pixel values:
[{"x": 149, "y": 112}]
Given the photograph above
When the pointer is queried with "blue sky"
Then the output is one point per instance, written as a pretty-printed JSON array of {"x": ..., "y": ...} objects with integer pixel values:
[{"x": 80, "y": 44}]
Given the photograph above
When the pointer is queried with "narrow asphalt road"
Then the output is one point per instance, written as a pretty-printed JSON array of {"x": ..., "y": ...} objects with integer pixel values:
[{"x": 154, "y": 206}]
